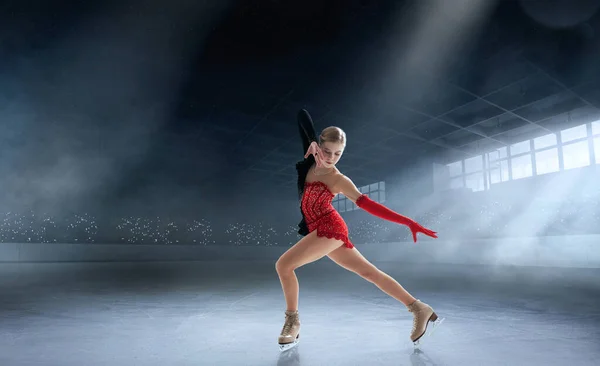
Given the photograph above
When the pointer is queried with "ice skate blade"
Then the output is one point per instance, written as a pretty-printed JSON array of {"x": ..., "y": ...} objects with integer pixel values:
[
  {"x": 434, "y": 325},
  {"x": 288, "y": 346},
  {"x": 429, "y": 331}
]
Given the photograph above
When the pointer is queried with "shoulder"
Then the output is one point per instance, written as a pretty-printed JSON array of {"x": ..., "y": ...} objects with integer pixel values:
[
  {"x": 344, "y": 185},
  {"x": 339, "y": 178}
]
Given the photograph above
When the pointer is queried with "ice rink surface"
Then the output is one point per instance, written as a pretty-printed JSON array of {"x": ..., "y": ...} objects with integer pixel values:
[{"x": 230, "y": 313}]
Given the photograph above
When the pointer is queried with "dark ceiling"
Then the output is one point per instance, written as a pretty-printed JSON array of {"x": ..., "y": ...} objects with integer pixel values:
[
  {"x": 514, "y": 79},
  {"x": 407, "y": 80}
]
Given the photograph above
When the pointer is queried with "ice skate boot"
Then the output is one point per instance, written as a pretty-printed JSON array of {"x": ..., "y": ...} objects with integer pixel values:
[
  {"x": 423, "y": 314},
  {"x": 290, "y": 334}
]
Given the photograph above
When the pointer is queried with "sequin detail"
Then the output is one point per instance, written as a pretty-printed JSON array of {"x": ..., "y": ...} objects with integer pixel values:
[{"x": 321, "y": 215}]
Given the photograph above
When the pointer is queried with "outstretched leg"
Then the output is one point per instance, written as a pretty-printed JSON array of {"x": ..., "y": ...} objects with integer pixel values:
[{"x": 354, "y": 261}]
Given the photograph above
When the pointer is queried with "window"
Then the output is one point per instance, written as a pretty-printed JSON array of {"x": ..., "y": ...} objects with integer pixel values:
[
  {"x": 576, "y": 155},
  {"x": 375, "y": 191},
  {"x": 339, "y": 202},
  {"x": 596, "y": 128},
  {"x": 456, "y": 182},
  {"x": 499, "y": 172},
  {"x": 349, "y": 205},
  {"x": 374, "y": 196},
  {"x": 481, "y": 172},
  {"x": 455, "y": 168},
  {"x": 494, "y": 155},
  {"x": 546, "y": 161},
  {"x": 474, "y": 164},
  {"x": 573, "y": 133},
  {"x": 544, "y": 141},
  {"x": 521, "y": 167},
  {"x": 500, "y": 153},
  {"x": 458, "y": 179},
  {"x": 475, "y": 181},
  {"x": 520, "y": 148}
]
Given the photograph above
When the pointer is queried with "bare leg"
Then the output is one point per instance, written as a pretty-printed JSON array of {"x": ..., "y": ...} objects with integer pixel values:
[
  {"x": 423, "y": 314},
  {"x": 307, "y": 250},
  {"x": 353, "y": 260}
]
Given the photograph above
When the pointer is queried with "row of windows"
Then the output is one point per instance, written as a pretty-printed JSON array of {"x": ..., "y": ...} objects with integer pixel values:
[
  {"x": 375, "y": 191},
  {"x": 575, "y": 147}
]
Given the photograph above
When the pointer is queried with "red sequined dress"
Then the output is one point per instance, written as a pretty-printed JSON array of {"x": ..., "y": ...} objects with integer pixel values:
[{"x": 320, "y": 214}]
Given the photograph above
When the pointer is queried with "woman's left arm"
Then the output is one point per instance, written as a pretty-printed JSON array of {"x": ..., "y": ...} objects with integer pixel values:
[
  {"x": 346, "y": 187},
  {"x": 306, "y": 127}
]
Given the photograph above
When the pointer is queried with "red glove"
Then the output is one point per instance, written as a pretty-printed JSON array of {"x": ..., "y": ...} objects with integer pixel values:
[{"x": 383, "y": 212}]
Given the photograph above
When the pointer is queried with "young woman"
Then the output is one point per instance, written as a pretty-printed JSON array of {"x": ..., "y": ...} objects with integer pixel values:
[{"x": 326, "y": 234}]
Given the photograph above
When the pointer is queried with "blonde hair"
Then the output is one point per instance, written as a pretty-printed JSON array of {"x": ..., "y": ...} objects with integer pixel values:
[{"x": 333, "y": 134}]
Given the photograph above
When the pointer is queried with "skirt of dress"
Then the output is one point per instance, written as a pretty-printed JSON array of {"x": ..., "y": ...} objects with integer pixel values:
[{"x": 331, "y": 226}]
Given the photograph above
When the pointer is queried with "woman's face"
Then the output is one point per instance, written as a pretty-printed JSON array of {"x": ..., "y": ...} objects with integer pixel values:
[{"x": 332, "y": 152}]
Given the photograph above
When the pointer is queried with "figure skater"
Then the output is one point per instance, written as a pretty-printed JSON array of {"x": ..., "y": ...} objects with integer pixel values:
[{"x": 326, "y": 234}]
